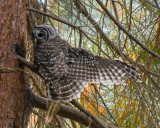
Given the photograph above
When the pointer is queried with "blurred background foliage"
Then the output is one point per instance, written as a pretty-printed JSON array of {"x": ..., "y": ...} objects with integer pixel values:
[{"x": 133, "y": 105}]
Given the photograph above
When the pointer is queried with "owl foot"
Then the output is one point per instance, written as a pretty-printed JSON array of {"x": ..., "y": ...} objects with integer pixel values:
[{"x": 52, "y": 110}]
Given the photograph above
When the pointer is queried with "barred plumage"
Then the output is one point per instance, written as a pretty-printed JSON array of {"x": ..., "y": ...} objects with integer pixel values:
[{"x": 66, "y": 70}]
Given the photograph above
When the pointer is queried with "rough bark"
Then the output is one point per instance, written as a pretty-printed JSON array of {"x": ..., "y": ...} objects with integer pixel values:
[{"x": 13, "y": 106}]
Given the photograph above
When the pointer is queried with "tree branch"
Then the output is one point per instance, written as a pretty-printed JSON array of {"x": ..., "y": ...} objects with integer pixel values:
[
  {"x": 53, "y": 17},
  {"x": 65, "y": 111}
]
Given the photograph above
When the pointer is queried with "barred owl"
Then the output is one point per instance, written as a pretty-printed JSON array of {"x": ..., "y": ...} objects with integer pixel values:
[{"x": 66, "y": 70}]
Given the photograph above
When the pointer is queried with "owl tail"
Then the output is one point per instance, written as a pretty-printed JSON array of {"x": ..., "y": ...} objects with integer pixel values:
[{"x": 66, "y": 90}]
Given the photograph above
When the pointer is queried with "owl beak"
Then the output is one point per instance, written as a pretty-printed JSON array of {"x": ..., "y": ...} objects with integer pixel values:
[{"x": 35, "y": 41}]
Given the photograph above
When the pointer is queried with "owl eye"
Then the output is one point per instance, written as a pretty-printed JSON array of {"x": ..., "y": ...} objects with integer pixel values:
[{"x": 41, "y": 34}]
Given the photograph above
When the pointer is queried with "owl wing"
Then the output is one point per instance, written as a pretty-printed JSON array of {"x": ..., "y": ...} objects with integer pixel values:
[
  {"x": 83, "y": 65},
  {"x": 51, "y": 61}
]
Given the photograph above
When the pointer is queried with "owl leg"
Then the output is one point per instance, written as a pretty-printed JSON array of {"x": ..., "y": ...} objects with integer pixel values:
[{"x": 52, "y": 110}]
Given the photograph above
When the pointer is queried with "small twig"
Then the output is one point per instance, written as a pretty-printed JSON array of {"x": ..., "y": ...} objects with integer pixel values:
[
  {"x": 104, "y": 104},
  {"x": 80, "y": 39},
  {"x": 73, "y": 123},
  {"x": 36, "y": 84},
  {"x": 88, "y": 113},
  {"x": 44, "y": 9},
  {"x": 58, "y": 122},
  {"x": 7, "y": 70},
  {"x": 126, "y": 32}
]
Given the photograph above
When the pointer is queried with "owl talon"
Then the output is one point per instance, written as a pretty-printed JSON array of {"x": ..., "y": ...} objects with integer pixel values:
[{"x": 52, "y": 110}]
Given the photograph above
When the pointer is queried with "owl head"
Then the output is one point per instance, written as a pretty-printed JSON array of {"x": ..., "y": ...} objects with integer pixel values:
[{"x": 42, "y": 34}]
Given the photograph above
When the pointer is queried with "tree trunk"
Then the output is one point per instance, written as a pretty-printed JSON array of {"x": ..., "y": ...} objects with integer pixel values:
[{"x": 13, "y": 107}]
